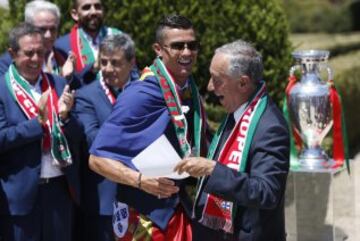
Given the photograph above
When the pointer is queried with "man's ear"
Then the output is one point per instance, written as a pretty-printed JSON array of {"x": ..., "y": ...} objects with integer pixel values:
[
  {"x": 157, "y": 49},
  {"x": 12, "y": 53},
  {"x": 244, "y": 80},
  {"x": 74, "y": 14}
]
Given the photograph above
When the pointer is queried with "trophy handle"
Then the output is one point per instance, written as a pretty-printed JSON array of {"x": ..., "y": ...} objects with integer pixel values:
[
  {"x": 293, "y": 69},
  {"x": 328, "y": 70}
]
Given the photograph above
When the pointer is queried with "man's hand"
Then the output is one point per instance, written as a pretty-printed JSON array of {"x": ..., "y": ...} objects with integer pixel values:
[
  {"x": 69, "y": 66},
  {"x": 66, "y": 102},
  {"x": 159, "y": 187},
  {"x": 195, "y": 166},
  {"x": 43, "y": 111}
]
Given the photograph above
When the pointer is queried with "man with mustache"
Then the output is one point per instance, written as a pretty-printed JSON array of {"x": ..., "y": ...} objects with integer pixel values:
[
  {"x": 93, "y": 105},
  {"x": 86, "y": 35}
]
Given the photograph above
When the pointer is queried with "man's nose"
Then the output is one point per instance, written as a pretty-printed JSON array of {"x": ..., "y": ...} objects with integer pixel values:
[
  {"x": 186, "y": 51},
  {"x": 210, "y": 86},
  {"x": 47, "y": 33},
  {"x": 109, "y": 67},
  {"x": 93, "y": 9}
]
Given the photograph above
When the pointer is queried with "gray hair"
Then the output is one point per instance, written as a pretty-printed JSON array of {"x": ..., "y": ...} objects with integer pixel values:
[
  {"x": 36, "y": 6},
  {"x": 119, "y": 41},
  {"x": 244, "y": 60},
  {"x": 20, "y": 31}
]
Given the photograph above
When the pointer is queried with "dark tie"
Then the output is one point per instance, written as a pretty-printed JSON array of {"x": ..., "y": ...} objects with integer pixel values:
[{"x": 227, "y": 130}]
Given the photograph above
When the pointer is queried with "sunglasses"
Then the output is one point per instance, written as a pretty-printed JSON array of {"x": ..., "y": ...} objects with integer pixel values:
[{"x": 180, "y": 46}]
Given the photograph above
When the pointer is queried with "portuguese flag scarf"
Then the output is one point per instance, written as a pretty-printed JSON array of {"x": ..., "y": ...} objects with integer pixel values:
[
  {"x": 54, "y": 138},
  {"x": 81, "y": 46},
  {"x": 111, "y": 97},
  {"x": 219, "y": 213},
  {"x": 173, "y": 103}
]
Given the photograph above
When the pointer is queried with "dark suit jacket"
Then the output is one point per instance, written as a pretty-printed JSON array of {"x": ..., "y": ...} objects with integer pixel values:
[
  {"x": 258, "y": 193},
  {"x": 92, "y": 107},
  {"x": 5, "y": 61},
  {"x": 63, "y": 43},
  {"x": 20, "y": 153}
]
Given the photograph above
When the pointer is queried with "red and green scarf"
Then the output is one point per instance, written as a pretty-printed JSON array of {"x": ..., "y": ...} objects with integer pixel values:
[
  {"x": 54, "y": 138},
  {"x": 111, "y": 97},
  {"x": 81, "y": 46},
  {"x": 218, "y": 213},
  {"x": 173, "y": 103},
  {"x": 340, "y": 151}
]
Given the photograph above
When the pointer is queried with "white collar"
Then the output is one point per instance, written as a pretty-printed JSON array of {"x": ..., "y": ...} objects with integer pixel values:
[{"x": 239, "y": 111}]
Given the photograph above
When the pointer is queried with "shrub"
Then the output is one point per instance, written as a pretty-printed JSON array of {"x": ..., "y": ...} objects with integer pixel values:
[
  {"x": 217, "y": 22},
  {"x": 318, "y": 16},
  {"x": 349, "y": 87}
]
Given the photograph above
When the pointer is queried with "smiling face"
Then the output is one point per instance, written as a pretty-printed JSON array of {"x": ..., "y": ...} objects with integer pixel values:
[
  {"x": 46, "y": 21},
  {"x": 232, "y": 92},
  {"x": 89, "y": 15},
  {"x": 179, "y": 62},
  {"x": 30, "y": 57},
  {"x": 115, "y": 68}
]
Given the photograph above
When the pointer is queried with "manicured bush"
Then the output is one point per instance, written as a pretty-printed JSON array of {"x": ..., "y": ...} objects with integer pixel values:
[
  {"x": 217, "y": 22},
  {"x": 318, "y": 16},
  {"x": 348, "y": 84}
]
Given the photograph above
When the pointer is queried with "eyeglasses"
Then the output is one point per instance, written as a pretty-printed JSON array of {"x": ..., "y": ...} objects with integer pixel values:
[
  {"x": 52, "y": 30},
  {"x": 180, "y": 46},
  {"x": 31, "y": 53}
]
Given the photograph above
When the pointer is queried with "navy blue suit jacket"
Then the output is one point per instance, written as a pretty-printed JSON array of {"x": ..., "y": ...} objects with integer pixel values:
[
  {"x": 5, "y": 61},
  {"x": 92, "y": 107},
  {"x": 20, "y": 153},
  {"x": 258, "y": 193},
  {"x": 63, "y": 43}
]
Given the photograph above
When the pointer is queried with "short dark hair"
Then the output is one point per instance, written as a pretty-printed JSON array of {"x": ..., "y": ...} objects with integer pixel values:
[
  {"x": 119, "y": 41},
  {"x": 75, "y": 4},
  {"x": 172, "y": 21},
  {"x": 20, "y": 31}
]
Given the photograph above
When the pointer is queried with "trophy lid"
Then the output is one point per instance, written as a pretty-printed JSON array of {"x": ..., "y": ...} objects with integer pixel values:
[{"x": 311, "y": 56}]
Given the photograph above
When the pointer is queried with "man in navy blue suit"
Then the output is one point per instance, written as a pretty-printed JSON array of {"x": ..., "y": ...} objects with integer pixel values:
[
  {"x": 36, "y": 134},
  {"x": 242, "y": 185},
  {"x": 93, "y": 104},
  {"x": 46, "y": 16},
  {"x": 86, "y": 35}
]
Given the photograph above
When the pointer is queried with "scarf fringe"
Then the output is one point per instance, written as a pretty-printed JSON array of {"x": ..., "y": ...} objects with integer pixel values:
[{"x": 217, "y": 223}]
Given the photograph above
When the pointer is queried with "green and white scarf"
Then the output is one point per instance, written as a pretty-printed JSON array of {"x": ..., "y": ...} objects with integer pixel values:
[{"x": 54, "y": 138}]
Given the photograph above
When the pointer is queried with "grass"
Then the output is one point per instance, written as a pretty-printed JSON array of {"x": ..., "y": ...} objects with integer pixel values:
[
  {"x": 344, "y": 48},
  {"x": 324, "y": 41}
]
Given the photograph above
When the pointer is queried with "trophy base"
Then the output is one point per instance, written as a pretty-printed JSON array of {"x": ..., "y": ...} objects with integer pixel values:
[{"x": 315, "y": 160}]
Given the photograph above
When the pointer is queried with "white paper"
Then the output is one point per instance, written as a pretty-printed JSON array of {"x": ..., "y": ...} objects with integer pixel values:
[{"x": 159, "y": 160}]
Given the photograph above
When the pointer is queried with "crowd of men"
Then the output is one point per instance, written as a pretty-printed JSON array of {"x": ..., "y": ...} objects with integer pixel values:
[{"x": 75, "y": 111}]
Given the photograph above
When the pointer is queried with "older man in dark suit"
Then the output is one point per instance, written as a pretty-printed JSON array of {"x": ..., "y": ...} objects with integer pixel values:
[{"x": 242, "y": 185}]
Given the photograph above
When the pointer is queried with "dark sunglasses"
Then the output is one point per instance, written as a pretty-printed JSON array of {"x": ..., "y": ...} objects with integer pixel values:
[{"x": 180, "y": 46}]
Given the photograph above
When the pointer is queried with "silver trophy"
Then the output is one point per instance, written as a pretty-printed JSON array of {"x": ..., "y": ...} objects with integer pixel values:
[{"x": 309, "y": 107}]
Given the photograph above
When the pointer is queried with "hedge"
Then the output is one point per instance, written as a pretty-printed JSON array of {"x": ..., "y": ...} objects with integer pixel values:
[{"x": 217, "y": 22}]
